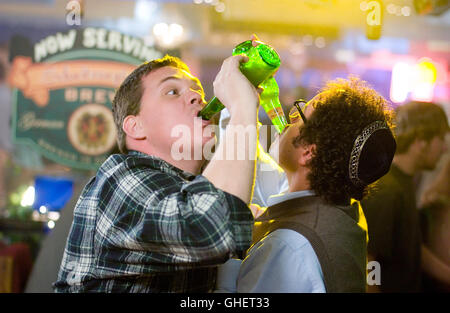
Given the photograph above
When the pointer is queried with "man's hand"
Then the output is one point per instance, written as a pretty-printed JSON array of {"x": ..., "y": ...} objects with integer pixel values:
[
  {"x": 234, "y": 90},
  {"x": 255, "y": 40}
]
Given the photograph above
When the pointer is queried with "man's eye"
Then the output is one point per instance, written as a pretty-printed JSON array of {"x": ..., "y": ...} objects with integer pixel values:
[{"x": 172, "y": 92}]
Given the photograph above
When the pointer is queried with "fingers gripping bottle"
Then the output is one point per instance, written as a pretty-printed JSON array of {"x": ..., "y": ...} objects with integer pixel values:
[{"x": 259, "y": 69}]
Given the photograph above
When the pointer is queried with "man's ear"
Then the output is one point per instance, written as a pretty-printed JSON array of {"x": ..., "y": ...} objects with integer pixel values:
[
  {"x": 306, "y": 153},
  {"x": 133, "y": 128}
]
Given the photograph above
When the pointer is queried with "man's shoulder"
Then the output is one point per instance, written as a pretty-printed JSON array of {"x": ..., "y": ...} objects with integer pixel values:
[
  {"x": 124, "y": 172},
  {"x": 319, "y": 220},
  {"x": 284, "y": 238},
  {"x": 112, "y": 162},
  {"x": 313, "y": 211},
  {"x": 293, "y": 239}
]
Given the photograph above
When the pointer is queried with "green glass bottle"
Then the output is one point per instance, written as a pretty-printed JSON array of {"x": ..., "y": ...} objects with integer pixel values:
[
  {"x": 262, "y": 64},
  {"x": 269, "y": 100}
]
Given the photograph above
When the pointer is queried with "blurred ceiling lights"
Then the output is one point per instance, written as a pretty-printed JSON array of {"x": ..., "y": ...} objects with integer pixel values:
[
  {"x": 168, "y": 35},
  {"x": 159, "y": 26},
  {"x": 416, "y": 80},
  {"x": 144, "y": 10},
  {"x": 398, "y": 10},
  {"x": 217, "y": 4}
]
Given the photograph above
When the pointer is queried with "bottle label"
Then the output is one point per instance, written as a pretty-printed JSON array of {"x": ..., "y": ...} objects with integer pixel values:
[{"x": 275, "y": 112}]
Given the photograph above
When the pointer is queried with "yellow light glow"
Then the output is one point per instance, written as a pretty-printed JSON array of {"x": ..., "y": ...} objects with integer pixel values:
[
  {"x": 426, "y": 71},
  {"x": 414, "y": 80},
  {"x": 425, "y": 75}
]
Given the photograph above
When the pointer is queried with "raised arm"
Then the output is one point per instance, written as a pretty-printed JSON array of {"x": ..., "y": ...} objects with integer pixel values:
[{"x": 232, "y": 167}]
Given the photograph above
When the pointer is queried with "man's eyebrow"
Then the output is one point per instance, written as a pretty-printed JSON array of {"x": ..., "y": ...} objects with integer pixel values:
[
  {"x": 168, "y": 78},
  {"x": 195, "y": 81}
]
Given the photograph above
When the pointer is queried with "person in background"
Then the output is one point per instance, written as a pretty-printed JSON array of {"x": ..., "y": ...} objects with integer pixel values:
[
  {"x": 395, "y": 239},
  {"x": 309, "y": 239},
  {"x": 435, "y": 219},
  {"x": 6, "y": 146},
  {"x": 15, "y": 257},
  {"x": 149, "y": 221}
]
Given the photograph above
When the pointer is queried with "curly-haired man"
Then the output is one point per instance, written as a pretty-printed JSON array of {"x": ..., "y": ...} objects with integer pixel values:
[{"x": 309, "y": 239}]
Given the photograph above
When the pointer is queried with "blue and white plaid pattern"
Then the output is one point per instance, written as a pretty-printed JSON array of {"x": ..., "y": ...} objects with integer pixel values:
[{"x": 143, "y": 225}]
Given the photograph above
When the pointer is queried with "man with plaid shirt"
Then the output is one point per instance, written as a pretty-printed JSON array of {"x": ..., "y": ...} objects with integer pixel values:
[{"x": 149, "y": 221}]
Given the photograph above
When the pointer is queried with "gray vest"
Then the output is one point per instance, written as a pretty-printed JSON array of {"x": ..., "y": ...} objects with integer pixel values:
[{"x": 332, "y": 231}]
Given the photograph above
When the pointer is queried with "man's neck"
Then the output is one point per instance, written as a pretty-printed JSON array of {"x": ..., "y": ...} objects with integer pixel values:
[
  {"x": 191, "y": 166},
  {"x": 297, "y": 181},
  {"x": 405, "y": 163}
]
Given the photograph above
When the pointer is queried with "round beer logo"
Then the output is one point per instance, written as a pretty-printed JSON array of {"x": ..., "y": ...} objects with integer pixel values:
[{"x": 91, "y": 129}]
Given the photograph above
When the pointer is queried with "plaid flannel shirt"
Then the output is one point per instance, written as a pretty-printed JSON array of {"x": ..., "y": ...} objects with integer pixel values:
[{"x": 143, "y": 225}]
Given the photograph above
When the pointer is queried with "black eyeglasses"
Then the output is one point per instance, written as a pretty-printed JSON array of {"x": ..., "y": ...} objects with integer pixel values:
[{"x": 297, "y": 111}]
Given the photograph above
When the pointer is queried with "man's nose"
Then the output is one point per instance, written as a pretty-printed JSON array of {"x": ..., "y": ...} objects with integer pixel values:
[{"x": 196, "y": 98}]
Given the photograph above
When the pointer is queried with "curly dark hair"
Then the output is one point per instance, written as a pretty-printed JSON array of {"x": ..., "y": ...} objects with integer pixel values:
[
  {"x": 127, "y": 100},
  {"x": 342, "y": 110}
]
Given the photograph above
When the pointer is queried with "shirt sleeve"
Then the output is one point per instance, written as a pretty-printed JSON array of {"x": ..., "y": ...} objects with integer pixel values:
[
  {"x": 270, "y": 178},
  {"x": 158, "y": 222},
  {"x": 227, "y": 275},
  {"x": 282, "y": 262}
]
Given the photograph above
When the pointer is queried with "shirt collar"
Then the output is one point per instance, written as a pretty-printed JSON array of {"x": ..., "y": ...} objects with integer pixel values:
[
  {"x": 275, "y": 199},
  {"x": 163, "y": 165}
]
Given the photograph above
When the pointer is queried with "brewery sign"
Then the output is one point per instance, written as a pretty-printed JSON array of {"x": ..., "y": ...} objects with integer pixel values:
[{"x": 63, "y": 90}]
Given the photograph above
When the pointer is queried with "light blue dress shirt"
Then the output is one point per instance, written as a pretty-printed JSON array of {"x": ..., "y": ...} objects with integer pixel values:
[
  {"x": 270, "y": 178},
  {"x": 284, "y": 261}
]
